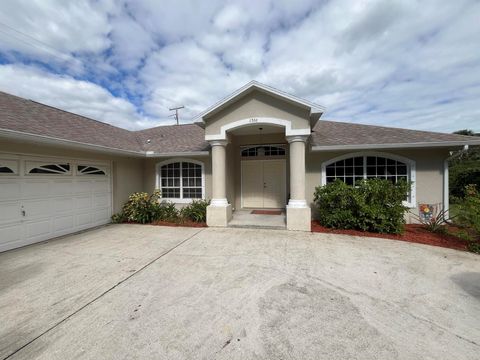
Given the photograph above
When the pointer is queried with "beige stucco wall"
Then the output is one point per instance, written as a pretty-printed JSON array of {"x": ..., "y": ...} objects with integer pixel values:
[
  {"x": 429, "y": 173},
  {"x": 126, "y": 172},
  {"x": 257, "y": 104}
]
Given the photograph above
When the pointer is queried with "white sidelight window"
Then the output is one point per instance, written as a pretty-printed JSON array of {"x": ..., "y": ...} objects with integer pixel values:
[
  {"x": 181, "y": 181},
  {"x": 353, "y": 167}
]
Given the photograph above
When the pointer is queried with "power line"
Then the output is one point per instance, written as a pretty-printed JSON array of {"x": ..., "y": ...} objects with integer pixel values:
[{"x": 44, "y": 46}]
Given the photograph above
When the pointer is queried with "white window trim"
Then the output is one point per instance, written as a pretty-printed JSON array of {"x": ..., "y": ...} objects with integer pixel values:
[
  {"x": 181, "y": 199},
  {"x": 12, "y": 165},
  {"x": 411, "y": 170}
]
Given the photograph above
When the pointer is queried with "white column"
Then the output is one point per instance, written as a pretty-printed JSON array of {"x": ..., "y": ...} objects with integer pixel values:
[
  {"x": 219, "y": 173},
  {"x": 298, "y": 212},
  {"x": 297, "y": 171},
  {"x": 219, "y": 212}
]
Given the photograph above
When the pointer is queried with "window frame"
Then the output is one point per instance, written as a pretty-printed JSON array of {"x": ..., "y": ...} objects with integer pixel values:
[
  {"x": 38, "y": 164},
  {"x": 181, "y": 199},
  {"x": 411, "y": 169},
  {"x": 11, "y": 164},
  {"x": 258, "y": 146}
]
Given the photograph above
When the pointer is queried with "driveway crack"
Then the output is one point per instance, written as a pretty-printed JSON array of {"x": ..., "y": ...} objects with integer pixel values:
[{"x": 103, "y": 293}]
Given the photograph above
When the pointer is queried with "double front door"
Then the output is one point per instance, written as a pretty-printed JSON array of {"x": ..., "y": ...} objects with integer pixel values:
[{"x": 264, "y": 184}]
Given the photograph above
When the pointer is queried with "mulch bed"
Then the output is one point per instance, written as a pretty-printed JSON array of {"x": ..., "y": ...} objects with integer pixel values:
[
  {"x": 166, "y": 223},
  {"x": 413, "y": 233}
]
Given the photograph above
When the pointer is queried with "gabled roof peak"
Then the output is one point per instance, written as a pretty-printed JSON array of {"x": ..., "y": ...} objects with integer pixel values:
[{"x": 255, "y": 85}]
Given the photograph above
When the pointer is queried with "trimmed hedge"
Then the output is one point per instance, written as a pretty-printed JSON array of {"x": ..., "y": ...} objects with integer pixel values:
[{"x": 374, "y": 205}]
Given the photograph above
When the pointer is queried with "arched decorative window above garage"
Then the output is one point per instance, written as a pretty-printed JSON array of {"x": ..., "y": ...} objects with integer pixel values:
[
  {"x": 353, "y": 167},
  {"x": 89, "y": 170},
  {"x": 8, "y": 167},
  {"x": 33, "y": 167},
  {"x": 263, "y": 150}
]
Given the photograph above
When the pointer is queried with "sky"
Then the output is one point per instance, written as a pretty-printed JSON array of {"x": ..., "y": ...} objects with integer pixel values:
[{"x": 407, "y": 63}]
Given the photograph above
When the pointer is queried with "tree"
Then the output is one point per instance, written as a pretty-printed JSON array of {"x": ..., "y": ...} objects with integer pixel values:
[
  {"x": 466, "y": 132},
  {"x": 464, "y": 167}
]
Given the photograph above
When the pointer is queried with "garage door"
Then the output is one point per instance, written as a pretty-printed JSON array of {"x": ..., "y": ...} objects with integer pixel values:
[{"x": 44, "y": 198}]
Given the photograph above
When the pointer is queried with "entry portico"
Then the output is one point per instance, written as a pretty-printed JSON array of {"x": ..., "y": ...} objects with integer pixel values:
[{"x": 277, "y": 127}]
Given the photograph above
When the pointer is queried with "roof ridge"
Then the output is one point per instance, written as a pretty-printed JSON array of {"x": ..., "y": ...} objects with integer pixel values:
[
  {"x": 389, "y": 127},
  {"x": 163, "y": 126}
]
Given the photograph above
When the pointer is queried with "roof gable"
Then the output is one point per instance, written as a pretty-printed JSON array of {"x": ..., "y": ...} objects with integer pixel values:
[{"x": 314, "y": 109}]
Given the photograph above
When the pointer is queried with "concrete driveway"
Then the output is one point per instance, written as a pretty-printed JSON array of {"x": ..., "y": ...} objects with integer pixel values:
[{"x": 132, "y": 291}]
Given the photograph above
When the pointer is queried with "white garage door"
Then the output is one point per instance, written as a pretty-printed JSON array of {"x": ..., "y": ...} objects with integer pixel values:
[{"x": 44, "y": 198}]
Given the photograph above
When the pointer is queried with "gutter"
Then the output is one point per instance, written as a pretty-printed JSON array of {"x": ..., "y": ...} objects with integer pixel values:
[
  {"x": 150, "y": 154},
  {"x": 394, "y": 146}
]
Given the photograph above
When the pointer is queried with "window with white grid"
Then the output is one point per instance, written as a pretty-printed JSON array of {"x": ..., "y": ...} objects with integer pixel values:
[
  {"x": 351, "y": 169},
  {"x": 181, "y": 180}
]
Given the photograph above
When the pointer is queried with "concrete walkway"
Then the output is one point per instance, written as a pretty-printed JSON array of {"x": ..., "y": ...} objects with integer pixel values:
[
  {"x": 145, "y": 292},
  {"x": 245, "y": 219}
]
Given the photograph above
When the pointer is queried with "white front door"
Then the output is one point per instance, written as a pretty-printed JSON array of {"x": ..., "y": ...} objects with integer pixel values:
[
  {"x": 44, "y": 198},
  {"x": 263, "y": 184}
]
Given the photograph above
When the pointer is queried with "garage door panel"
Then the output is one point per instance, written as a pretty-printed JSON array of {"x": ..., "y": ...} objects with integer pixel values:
[
  {"x": 84, "y": 220},
  {"x": 63, "y": 205},
  {"x": 10, "y": 189},
  {"x": 64, "y": 223},
  {"x": 83, "y": 202},
  {"x": 9, "y": 211},
  {"x": 61, "y": 187},
  {"x": 54, "y": 204},
  {"x": 100, "y": 186},
  {"x": 83, "y": 186},
  {"x": 10, "y": 233},
  {"x": 101, "y": 216},
  {"x": 38, "y": 230},
  {"x": 101, "y": 200},
  {"x": 37, "y": 208},
  {"x": 35, "y": 188}
]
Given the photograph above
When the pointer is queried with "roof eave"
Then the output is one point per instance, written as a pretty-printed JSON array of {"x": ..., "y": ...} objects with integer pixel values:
[
  {"x": 152, "y": 154},
  {"x": 49, "y": 140},
  {"x": 394, "y": 146}
]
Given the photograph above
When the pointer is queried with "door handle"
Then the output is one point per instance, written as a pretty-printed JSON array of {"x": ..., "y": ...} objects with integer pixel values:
[
  {"x": 264, "y": 185},
  {"x": 23, "y": 212}
]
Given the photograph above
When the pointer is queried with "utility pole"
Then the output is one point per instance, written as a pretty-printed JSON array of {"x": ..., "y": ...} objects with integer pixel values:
[{"x": 175, "y": 116}]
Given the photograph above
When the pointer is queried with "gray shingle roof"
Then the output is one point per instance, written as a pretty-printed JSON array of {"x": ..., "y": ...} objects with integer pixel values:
[
  {"x": 30, "y": 117},
  {"x": 173, "y": 139},
  {"x": 333, "y": 133}
]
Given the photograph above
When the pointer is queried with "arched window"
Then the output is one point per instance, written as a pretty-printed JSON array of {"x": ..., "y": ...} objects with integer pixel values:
[
  {"x": 263, "y": 150},
  {"x": 353, "y": 167},
  {"x": 181, "y": 180}
]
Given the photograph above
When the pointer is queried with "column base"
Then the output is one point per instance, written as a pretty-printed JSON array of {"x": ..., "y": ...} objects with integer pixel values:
[
  {"x": 219, "y": 216},
  {"x": 299, "y": 218}
]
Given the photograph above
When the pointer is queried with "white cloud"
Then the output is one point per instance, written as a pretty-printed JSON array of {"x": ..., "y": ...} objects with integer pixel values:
[
  {"x": 64, "y": 92},
  {"x": 389, "y": 62}
]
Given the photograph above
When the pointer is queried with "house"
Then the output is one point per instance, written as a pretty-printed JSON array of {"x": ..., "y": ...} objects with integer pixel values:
[{"x": 257, "y": 148}]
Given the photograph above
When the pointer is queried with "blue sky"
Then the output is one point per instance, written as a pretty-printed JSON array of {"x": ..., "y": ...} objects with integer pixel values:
[{"x": 413, "y": 64}]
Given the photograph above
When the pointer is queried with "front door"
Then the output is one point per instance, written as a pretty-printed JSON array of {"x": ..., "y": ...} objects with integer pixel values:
[{"x": 263, "y": 184}]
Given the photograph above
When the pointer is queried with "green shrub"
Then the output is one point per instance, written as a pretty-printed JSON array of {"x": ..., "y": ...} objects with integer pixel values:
[
  {"x": 142, "y": 208},
  {"x": 168, "y": 212},
  {"x": 374, "y": 205},
  {"x": 468, "y": 217},
  {"x": 118, "y": 218},
  {"x": 195, "y": 211}
]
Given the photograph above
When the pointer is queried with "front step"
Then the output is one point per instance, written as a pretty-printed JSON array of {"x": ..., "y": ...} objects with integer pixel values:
[{"x": 255, "y": 226}]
